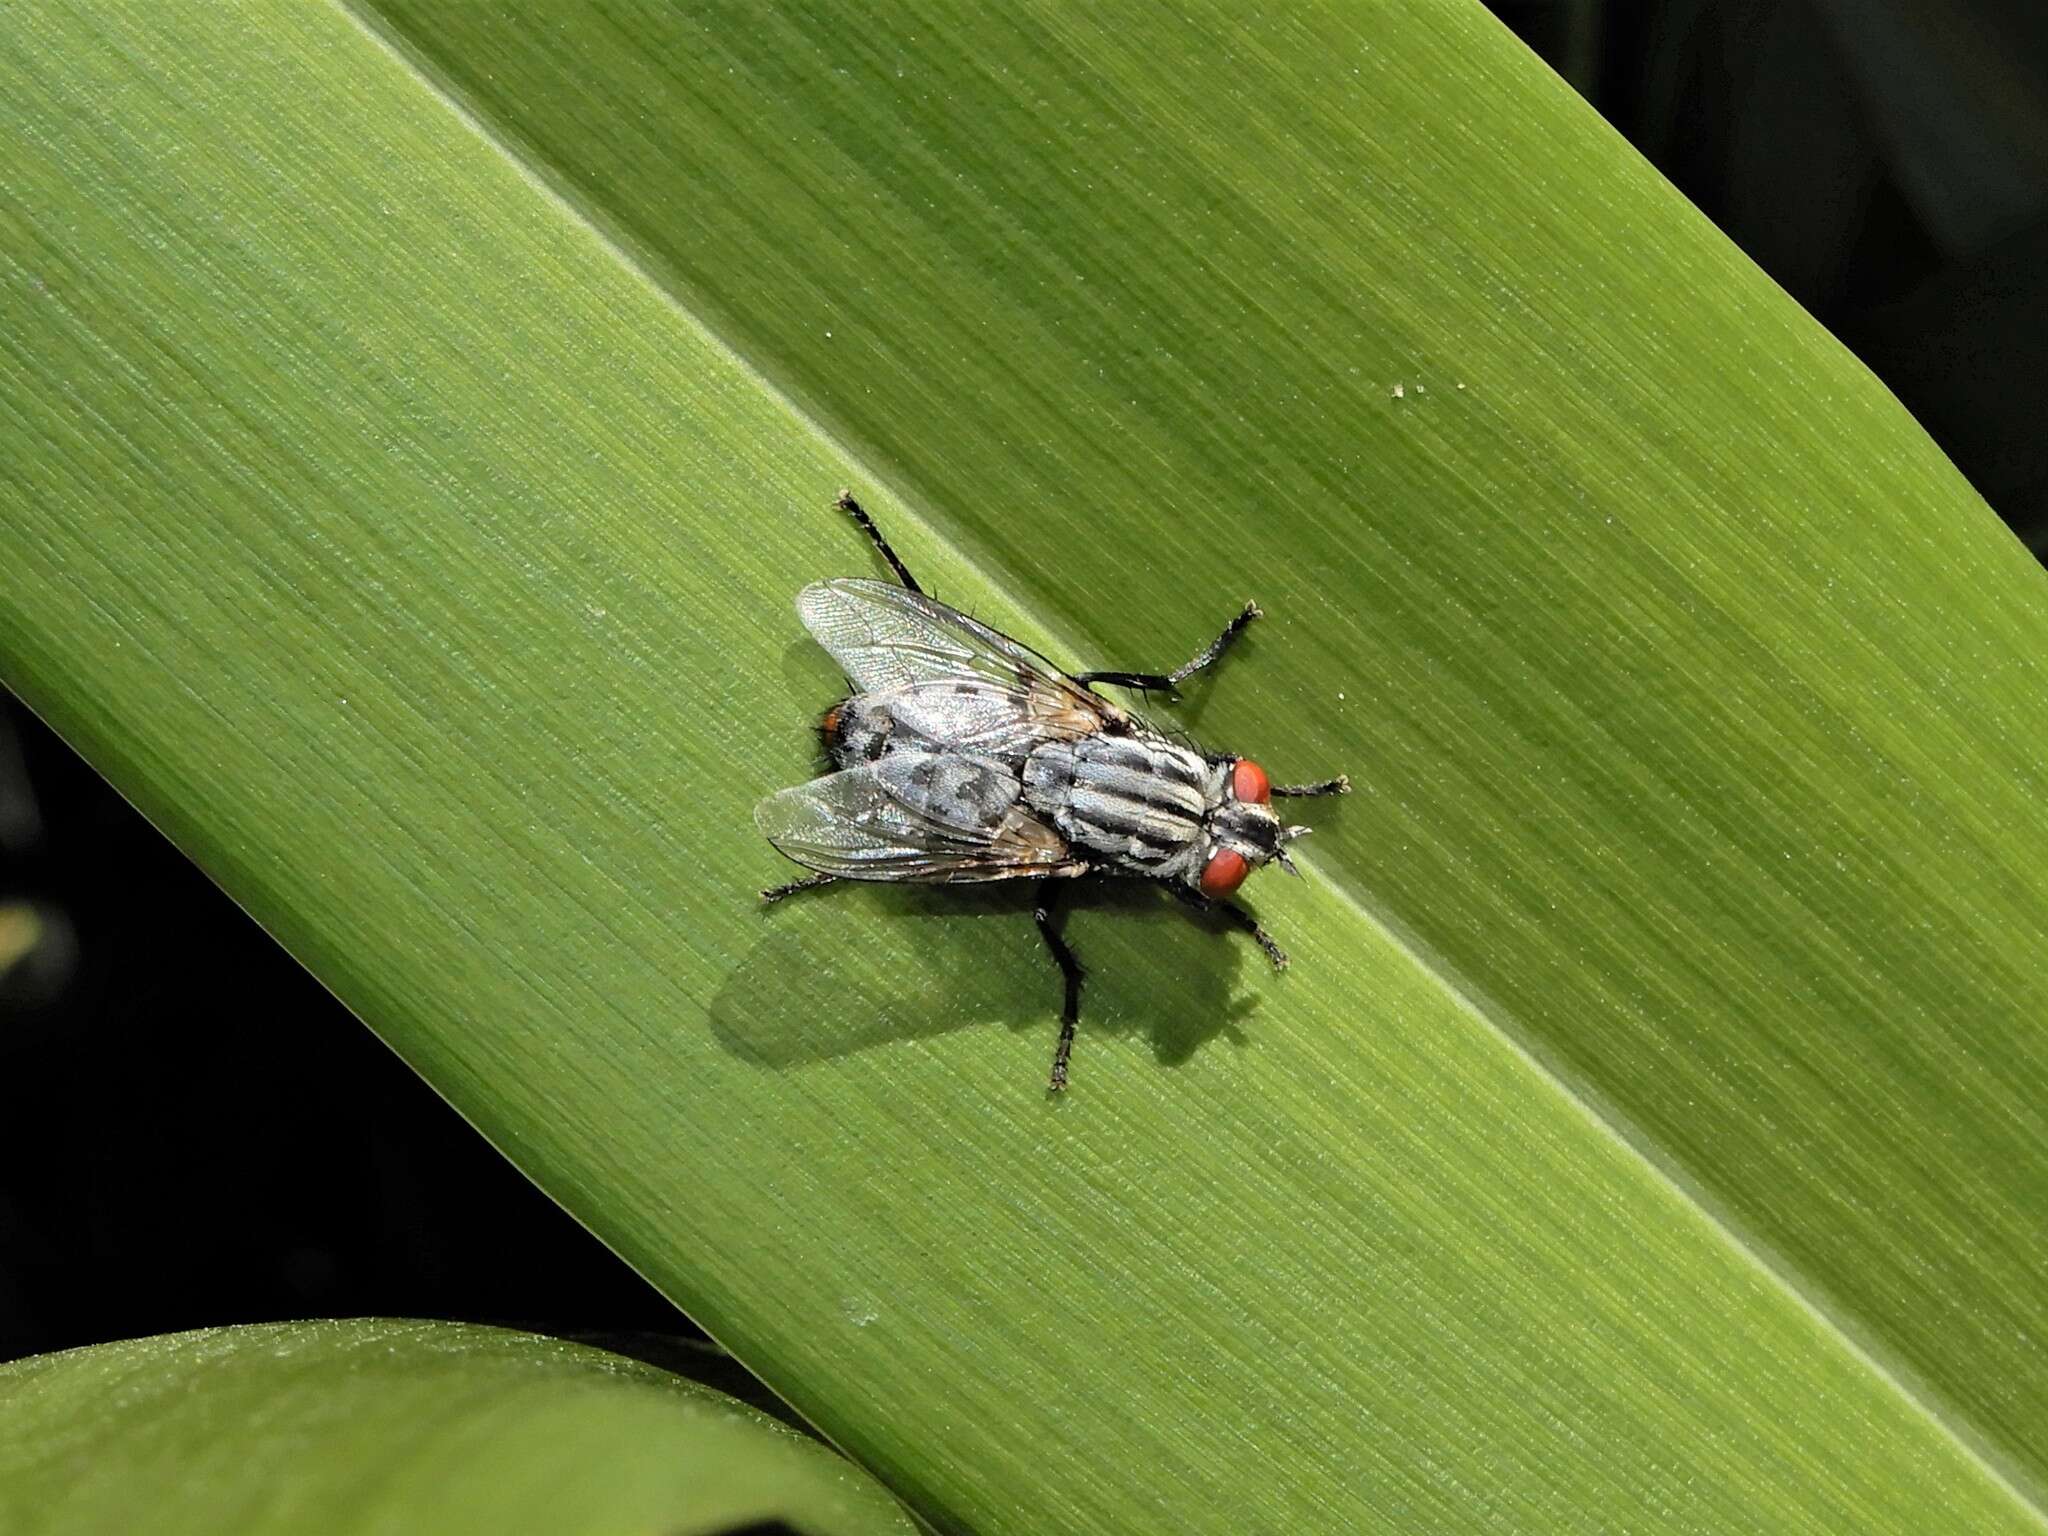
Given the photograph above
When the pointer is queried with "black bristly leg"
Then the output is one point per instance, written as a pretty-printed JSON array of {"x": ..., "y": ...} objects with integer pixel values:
[
  {"x": 1168, "y": 681},
  {"x": 1340, "y": 785},
  {"x": 859, "y": 514},
  {"x": 1237, "y": 915},
  {"x": 1049, "y": 892},
  {"x": 809, "y": 882}
]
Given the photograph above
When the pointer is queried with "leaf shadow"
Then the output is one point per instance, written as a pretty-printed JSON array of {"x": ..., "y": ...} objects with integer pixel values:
[{"x": 805, "y": 993}]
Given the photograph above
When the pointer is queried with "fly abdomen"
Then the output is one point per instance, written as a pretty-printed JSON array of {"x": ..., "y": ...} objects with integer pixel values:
[
  {"x": 958, "y": 791},
  {"x": 856, "y": 732},
  {"x": 1130, "y": 800}
]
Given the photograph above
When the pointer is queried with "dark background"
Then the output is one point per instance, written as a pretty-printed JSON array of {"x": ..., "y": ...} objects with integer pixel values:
[{"x": 193, "y": 1132}]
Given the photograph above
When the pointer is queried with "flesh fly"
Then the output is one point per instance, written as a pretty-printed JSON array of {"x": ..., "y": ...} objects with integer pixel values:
[{"x": 961, "y": 755}]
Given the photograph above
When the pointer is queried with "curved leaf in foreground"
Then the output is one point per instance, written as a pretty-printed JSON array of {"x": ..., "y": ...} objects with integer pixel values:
[{"x": 329, "y": 1429}]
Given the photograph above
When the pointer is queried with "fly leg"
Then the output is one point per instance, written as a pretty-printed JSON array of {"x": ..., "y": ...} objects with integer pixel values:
[
  {"x": 859, "y": 514},
  {"x": 1169, "y": 681},
  {"x": 790, "y": 888},
  {"x": 1049, "y": 892},
  {"x": 1340, "y": 785},
  {"x": 1237, "y": 915}
]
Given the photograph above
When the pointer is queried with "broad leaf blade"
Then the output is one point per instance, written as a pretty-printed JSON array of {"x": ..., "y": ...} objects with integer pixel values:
[
  {"x": 1700, "y": 703},
  {"x": 396, "y": 536}
]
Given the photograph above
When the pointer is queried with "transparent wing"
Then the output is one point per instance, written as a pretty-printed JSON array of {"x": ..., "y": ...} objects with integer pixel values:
[
  {"x": 1003, "y": 720},
  {"x": 890, "y": 640},
  {"x": 915, "y": 816}
]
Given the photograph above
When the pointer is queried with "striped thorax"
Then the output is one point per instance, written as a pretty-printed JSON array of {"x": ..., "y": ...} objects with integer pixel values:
[{"x": 1153, "y": 807}]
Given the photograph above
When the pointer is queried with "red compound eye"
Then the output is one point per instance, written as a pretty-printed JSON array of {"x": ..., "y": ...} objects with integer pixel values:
[
  {"x": 1224, "y": 872},
  {"x": 1248, "y": 781}
]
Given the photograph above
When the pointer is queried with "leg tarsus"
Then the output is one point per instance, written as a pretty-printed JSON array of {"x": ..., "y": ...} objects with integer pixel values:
[
  {"x": 859, "y": 514},
  {"x": 1213, "y": 651},
  {"x": 1060, "y": 1055},
  {"x": 1170, "y": 681},
  {"x": 775, "y": 893},
  {"x": 1340, "y": 785},
  {"x": 1237, "y": 915},
  {"x": 1260, "y": 937},
  {"x": 1049, "y": 893}
]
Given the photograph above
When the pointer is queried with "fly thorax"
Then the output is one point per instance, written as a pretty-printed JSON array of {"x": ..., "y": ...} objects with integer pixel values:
[{"x": 1137, "y": 802}]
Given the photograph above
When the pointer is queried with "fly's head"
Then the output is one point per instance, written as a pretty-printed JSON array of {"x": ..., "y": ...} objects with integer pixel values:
[{"x": 1241, "y": 830}]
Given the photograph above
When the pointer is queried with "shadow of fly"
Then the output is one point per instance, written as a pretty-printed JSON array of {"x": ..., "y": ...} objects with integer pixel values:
[{"x": 963, "y": 755}]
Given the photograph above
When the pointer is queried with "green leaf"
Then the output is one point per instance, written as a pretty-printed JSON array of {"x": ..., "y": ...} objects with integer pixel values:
[
  {"x": 400, "y": 1426},
  {"x": 416, "y": 427}
]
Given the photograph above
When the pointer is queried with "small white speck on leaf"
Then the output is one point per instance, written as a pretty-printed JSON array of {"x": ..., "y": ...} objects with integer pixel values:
[{"x": 1399, "y": 391}]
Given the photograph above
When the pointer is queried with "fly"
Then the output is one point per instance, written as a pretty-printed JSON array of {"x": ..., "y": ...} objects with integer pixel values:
[{"x": 961, "y": 755}]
